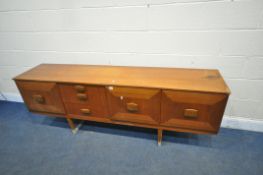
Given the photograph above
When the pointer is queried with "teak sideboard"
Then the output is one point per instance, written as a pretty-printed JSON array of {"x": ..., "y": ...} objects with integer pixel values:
[{"x": 176, "y": 99}]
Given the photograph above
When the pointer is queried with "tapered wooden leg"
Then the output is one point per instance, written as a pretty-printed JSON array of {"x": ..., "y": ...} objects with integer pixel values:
[
  {"x": 73, "y": 127},
  {"x": 71, "y": 124},
  {"x": 160, "y": 136}
]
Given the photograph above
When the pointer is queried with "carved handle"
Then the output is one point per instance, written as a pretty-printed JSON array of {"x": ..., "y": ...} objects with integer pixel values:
[
  {"x": 82, "y": 97},
  {"x": 191, "y": 113},
  {"x": 85, "y": 111},
  {"x": 132, "y": 107},
  {"x": 39, "y": 99},
  {"x": 80, "y": 88}
]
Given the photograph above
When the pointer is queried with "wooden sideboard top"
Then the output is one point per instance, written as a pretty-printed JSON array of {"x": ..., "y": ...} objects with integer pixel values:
[{"x": 203, "y": 80}]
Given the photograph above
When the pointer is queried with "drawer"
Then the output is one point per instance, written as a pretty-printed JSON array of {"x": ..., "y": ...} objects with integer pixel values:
[
  {"x": 41, "y": 96},
  {"x": 77, "y": 97},
  {"x": 192, "y": 110},
  {"x": 137, "y": 105},
  {"x": 86, "y": 110},
  {"x": 83, "y": 94}
]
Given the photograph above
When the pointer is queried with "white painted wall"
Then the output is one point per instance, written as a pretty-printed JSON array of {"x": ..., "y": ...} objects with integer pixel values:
[{"x": 222, "y": 34}]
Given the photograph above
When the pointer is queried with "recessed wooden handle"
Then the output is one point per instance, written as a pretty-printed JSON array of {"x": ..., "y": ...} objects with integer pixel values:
[
  {"x": 191, "y": 113},
  {"x": 82, "y": 97},
  {"x": 80, "y": 88},
  {"x": 85, "y": 111},
  {"x": 132, "y": 107},
  {"x": 39, "y": 99}
]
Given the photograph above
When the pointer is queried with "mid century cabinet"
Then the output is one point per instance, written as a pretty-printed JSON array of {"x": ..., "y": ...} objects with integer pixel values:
[{"x": 184, "y": 100}]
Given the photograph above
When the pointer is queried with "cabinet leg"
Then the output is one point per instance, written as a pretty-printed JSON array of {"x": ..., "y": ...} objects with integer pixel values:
[
  {"x": 73, "y": 127},
  {"x": 160, "y": 137},
  {"x": 71, "y": 123}
]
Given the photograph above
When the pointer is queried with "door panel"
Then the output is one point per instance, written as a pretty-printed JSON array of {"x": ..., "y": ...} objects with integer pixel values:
[
  {"x": 192, "y": 110},
  {"x": 137, "y": 105},
  {"x": 41, "y": 96}
]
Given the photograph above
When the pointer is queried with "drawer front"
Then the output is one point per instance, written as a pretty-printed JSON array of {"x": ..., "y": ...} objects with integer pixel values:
[
  {"x": 83, "y": 94},
  {"x": 41, "y": 96},
  {"x": 137, "y": 105},
  {"x": 77, "y": 97},
  {"x": 85, "y": 110},
  {"x": 192, "y": 110}
]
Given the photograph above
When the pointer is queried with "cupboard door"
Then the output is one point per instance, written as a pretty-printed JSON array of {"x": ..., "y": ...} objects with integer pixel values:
[
  {"x": 192, "y": 110},
  {"x": 41, "y": 96},
  {"x": 136, "y": 105}
]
